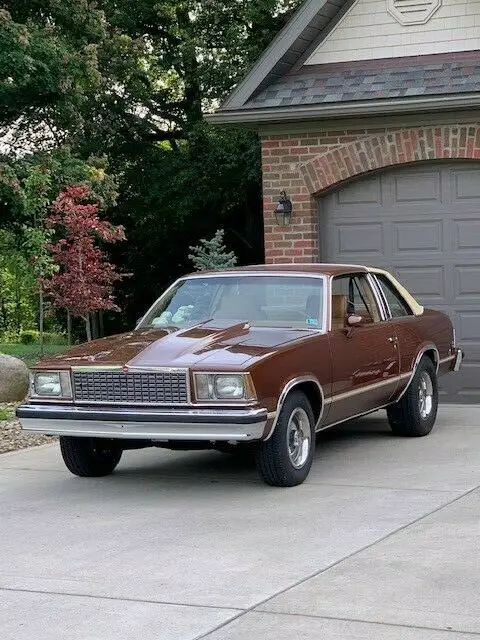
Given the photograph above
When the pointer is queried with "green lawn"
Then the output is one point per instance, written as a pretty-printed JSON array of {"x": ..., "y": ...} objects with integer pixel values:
[
  {"x": 6, "y": 413},
  {"x": 30, "y": 353}
]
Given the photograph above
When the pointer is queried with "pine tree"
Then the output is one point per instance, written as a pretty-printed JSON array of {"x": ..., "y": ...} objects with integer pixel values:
[{"x": 212, "y": 254}]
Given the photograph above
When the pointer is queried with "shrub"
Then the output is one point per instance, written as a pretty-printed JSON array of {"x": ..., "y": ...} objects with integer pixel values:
[
  {"x": 212, "y": 254},
  {"x": 29, "y": 337},
  {"x": 33, "y": 337}
]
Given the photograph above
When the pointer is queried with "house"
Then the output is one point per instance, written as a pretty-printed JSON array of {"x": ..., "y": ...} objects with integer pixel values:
[{"x": 368, "y": 113}]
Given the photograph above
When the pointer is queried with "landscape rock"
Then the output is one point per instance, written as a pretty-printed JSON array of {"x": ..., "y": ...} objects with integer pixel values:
[{"x": 13, "y": 379}]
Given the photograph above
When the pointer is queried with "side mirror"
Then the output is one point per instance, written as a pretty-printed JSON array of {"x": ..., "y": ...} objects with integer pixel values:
[{"x": 354, "y": 321}]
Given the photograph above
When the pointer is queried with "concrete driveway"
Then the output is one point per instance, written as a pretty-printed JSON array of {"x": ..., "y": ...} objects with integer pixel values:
[{"x": 382, "y": 542}]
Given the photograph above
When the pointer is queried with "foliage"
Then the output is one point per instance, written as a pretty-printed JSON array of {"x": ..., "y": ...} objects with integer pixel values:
[
  {"x": 6, "y": 413},
  {"x": 172, "y": 199},
  {"x": 85, "y": 279},
  {"x": 17, "y": 285},
  {"x": 29, "y": 185},
  {"x": 130, "y": 82},
  {"x": 212, "y": 254},
  {"x": 32, "y": 336},
  {"x": 104, "y": 74}
]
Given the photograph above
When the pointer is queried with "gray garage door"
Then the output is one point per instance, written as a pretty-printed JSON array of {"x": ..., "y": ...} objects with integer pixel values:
[{"x": 423, "y": 224}]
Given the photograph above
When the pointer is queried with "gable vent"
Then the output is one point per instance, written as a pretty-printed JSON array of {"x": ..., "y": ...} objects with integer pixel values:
[{"x": 408, "y": 12}]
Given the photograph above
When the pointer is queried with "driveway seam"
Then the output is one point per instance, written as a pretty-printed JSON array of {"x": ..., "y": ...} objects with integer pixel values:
[
  {"x": 71, "y": 594},
  {"x": 336, "y": 563},
  {"x": 363, "y": 621},
  {"x": 382, "y": 488}
]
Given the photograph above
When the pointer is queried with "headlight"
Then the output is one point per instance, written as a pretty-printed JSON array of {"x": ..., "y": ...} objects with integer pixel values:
[
  {"x": 232, "y": 387},
  {"x": 224, "y": 386},
  {"x": 47, "y": 384},
  {"x": 50, "y": 384}
]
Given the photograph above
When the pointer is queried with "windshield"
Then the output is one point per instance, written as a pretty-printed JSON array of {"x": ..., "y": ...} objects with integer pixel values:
[{"x": 264, "y": 301}]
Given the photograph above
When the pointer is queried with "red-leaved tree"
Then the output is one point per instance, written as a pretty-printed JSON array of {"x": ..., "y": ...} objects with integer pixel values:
[{"x": 85, "y": 279}]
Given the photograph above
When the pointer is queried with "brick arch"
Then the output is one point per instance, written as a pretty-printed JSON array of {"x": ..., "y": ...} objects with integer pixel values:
[{"x": 391, "y": 149}]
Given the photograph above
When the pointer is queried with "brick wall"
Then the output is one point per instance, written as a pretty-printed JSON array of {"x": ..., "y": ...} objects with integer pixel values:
[{"x": 306, "y": 165}]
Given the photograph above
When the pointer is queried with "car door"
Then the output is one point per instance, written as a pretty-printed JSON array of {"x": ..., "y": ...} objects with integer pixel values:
[{"x": 365, "y": 358}]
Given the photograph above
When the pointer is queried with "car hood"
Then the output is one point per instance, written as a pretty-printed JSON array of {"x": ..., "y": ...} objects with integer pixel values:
[{"x": 205, "y": 345}]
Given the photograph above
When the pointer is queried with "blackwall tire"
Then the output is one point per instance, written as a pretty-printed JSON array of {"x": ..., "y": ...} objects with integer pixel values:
[
  {"x": 89, "y": 457},
  {"x": 286, "y": 458},
  {"x": 415, "y": 414}
]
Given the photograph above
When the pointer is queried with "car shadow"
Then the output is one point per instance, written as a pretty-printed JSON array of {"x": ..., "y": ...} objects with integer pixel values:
[
  {"x": 375, "y": 425},
  {"x": 209, "y": 467}
]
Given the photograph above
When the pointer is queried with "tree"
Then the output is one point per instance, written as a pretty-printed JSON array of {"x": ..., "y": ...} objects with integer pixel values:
[
  {"x": 212, "y": 254},
  {"x": 85, "y": 280},
  {"x": 29, "y": 185},
  {"x": 116, "y": 75},
  {"x": 132, "y": 81},
  {"x": 17, "y": 286}
]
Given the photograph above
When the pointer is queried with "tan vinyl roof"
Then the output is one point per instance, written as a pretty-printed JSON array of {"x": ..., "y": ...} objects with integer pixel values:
[{"x": 415, "y": 306}]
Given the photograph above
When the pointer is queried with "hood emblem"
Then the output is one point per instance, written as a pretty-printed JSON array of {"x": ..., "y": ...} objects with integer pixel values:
[{"x": 125, "y": 369}]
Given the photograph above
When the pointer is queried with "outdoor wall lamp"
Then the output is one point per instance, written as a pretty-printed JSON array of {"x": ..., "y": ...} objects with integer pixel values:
[{"x": 284, "y": 210}]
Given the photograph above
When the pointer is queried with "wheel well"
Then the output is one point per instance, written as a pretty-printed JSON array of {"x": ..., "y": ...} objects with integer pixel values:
[
  {"x": 312, "y": 391},
  {"x": 432, "y": 354}
]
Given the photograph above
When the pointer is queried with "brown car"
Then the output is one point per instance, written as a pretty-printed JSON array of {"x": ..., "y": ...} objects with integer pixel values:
[{"x": 265, "y": 356}]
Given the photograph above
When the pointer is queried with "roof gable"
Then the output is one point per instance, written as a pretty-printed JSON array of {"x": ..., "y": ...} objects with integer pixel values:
[
  {"x": 373, "y": 30},
  {"x": 338, "y": 58},
  {"x": 305, "y": 28}
]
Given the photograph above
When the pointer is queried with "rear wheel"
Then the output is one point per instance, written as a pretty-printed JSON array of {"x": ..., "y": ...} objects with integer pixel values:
[
  {"x": 89, "y": 457},
  {"x": 415, "y": 414},
  {"x": 286, "y": 458}
]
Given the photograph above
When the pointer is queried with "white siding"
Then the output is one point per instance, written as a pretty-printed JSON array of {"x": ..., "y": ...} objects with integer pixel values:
[{"x": 368, "y": 32}]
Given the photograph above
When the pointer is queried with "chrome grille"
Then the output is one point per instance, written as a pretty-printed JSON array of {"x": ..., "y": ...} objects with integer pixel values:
[{"x": 133, "y": 387}]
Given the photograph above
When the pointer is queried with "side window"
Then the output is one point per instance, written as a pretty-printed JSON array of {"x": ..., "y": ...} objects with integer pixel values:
[
  {"x": 398, "y": 307},
  {"x": 352, "y": 295}
]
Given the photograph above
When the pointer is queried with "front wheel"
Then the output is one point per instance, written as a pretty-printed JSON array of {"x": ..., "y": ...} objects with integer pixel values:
[
  {"x": 286, "y": 458},
  {"x": 89, "y": 457},
  {"x": 415, "y": 414}
]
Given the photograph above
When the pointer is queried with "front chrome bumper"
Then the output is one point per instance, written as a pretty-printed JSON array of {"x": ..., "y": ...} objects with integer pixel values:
[{"x": 156, "y": 425}]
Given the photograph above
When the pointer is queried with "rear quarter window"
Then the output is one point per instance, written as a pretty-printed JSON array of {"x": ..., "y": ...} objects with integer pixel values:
[{"x": 399, "y": 308}]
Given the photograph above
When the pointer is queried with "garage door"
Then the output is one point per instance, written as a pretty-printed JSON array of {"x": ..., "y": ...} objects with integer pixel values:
[{"x": 423, "y": 224}]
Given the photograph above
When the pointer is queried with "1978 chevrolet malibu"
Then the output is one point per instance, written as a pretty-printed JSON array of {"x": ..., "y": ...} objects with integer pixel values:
[{"x": 265, "y": 355}]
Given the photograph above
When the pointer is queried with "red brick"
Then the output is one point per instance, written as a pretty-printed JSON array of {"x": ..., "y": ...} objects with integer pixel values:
[
  {"x": 270, "y": 144},
  {"x": 301, "y": 244},
  {"x": 318, "y": 149},
  {"x": 328, "y": 158}
]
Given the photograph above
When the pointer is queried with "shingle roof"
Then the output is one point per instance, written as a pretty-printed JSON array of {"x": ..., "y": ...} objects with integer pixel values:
[{"x": 440, "y": 74}]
